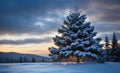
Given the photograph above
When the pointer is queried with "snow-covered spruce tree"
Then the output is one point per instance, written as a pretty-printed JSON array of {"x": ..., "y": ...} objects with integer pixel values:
[
  {"x": 107, "y": 48},
  {"x": 114, "y": 41},
  {"x": 76, "y": 42},
  {"x": 114, "y": 53}
]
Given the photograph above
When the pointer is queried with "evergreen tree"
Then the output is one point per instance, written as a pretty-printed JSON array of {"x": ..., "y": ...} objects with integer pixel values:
[
  {"x": 114, "y": 41},
  {"x": 76, "y": 42},
  {"x": 21, "y": 59},
  {"x": 33, "y": 59},
  {"x": 12, "y": 60},
  {"x": 118, "y": 53},
  {"x": 115, "y": 51},
  {"x": 7, "y": 60},
  {"x": 107, "y": 49},
  {"x": 106, "y": 42},
  {"x": 43, "y": 60},
  {"x": 25, "y": 59},
  {"x": 114, "y": 55}
]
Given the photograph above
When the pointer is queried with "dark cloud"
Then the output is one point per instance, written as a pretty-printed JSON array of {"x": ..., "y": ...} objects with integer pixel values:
[
  {"x": 25, "y": 41},
  {"x": 40, "y": 6},
  {"x": 109, "y": 13},
  {"x": 110, "y": 35},
  {"x": 107, "y": 27},
  {"x": 20, "y": 16},
  {"x": 107, "y": 2},
  {"x": 20, "y": 25}
]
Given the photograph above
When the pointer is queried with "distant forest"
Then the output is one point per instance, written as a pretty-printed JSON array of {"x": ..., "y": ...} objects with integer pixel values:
[
  {"x": 13, "y": 57},
  {"x": 21, "y": 60}
]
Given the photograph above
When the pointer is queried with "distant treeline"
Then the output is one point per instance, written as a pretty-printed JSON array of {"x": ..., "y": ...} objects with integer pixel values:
[
  {"x": 112, "y": 49},
  {"x": 21, "y": 59}
]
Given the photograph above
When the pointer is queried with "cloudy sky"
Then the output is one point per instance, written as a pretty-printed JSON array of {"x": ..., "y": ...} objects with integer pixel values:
[{"x": 27, "y": 26}]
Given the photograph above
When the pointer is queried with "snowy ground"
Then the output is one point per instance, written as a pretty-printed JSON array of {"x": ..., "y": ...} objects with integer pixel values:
[{"x": 59, "y": 68}]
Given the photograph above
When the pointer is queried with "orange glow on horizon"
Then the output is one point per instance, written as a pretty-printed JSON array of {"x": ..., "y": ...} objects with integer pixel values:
[{"x": 39, "y": 49}]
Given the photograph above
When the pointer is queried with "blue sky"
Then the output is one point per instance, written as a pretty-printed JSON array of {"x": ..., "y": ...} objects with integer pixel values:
[{"x": 25, "y": 22}]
